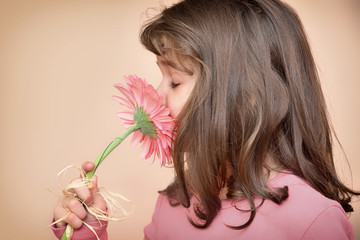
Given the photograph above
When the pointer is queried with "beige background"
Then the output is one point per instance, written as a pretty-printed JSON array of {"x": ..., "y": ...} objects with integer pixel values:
[{"x": 58, "y": 61}]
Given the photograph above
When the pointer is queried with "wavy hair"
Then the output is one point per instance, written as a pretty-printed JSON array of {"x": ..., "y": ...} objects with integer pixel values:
[{"x": 258, "y": 96}]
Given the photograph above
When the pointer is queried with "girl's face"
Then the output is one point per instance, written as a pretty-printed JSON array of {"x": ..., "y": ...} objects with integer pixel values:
[{"x": 176, "y": 85}]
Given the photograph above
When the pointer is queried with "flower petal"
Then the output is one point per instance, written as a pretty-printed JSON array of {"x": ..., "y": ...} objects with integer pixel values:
[
  {"x": 137, "y": 138},
  {"x": 126, "y": 115},
  {"x": 124, "y": 101}
]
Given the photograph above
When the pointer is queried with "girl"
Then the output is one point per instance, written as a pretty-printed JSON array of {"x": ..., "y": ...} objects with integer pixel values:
[{"x": 253, "y": 152}]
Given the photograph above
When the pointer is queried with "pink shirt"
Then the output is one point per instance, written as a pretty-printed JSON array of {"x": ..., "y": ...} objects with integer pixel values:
[
  {"x": 84, "y": 233},
  {"x": 305, "y": 215}
]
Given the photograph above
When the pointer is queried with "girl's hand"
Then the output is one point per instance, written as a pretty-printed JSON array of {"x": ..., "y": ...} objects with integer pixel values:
[{"x": 78, "y": 212}]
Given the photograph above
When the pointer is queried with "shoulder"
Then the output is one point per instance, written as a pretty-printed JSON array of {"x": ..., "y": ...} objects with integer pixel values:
[
  {"x": 161, "y": 208},
  {"x": 167, "y": 221},
  {"x": 313, "y": 215},
  {"x": 302, "y": 194},
  {"x": 329, "y": 224}
]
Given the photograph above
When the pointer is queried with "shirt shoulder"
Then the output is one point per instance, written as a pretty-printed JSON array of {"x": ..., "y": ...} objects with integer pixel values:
[
  {"x": 330, "y": 224},
  {"x": 308, "y": 211},
  {"x": 301, "y": 194}
]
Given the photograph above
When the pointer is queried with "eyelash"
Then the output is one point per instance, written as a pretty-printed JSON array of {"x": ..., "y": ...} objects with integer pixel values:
[{"x": 174, "y": 85}]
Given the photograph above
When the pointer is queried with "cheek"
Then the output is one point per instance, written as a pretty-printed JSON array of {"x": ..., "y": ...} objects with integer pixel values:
[
  {"x": 176, "y": 98},
  {"x": 176, "y": 102},
  {"x": 174, "y": 107}
]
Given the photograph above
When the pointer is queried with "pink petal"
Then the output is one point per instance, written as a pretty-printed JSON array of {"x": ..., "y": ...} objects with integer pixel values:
[
  {"x": 126, "y": 92},
  {"x": 161, "y": 156},
  {"x": 150, "y": 150},
  {"x": 138, "y": 96},
  {"x": 127, "y": 125},
  {"x": 157, "y": 124},
  {"x": 124, "y": 101},
  {"x": 137, "y": 138},
  {"x": 126, "y": 115},
  {"x": 146, "y": 146},
  {"x": 149, "y": 104}
]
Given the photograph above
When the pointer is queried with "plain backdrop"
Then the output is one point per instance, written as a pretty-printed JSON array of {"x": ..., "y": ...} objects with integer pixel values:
[{"x": 58, "y": 62}]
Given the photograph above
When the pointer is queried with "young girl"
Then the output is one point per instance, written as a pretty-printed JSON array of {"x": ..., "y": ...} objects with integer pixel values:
[{"x": 252, "y": 154}]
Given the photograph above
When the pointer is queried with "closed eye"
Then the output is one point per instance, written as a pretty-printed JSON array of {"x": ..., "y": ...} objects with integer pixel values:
[{"x": 174, "y": 85}]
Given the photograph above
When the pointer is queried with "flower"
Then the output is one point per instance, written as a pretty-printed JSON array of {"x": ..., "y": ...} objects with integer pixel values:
[
  {"x": 147, "y": 112},
  {"x": 148, "y": 119}
]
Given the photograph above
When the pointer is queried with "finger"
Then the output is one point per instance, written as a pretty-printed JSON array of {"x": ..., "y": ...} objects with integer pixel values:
[
  {"x": 74, "y": 221},
  {"x": 94, "y": 189},
  {"x": 76, "y": 207},
  {"x": 82, "y": 191},
  {"x": 100, "y": 205},
  {"x": 88, "y": 166},
  {"x": 60, "y": 212},
  {"x": 85, "y": 193},
  {"x": 71, "y": 218},
  {"x": 98, "y": 200}
]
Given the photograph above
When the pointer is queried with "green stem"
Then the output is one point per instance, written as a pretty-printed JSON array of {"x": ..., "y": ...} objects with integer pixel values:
[
  {"x": 103, "y": 155},
  {"x": 111, "y": 147},
  {"x": 64, "y": 237}
]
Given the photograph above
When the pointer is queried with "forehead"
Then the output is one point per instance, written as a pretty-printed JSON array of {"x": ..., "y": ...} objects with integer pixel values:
[{"x": 180, "y": 63}]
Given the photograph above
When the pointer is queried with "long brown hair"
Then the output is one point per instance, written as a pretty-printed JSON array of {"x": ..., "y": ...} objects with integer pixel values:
[{"x": 258, "y": 96}]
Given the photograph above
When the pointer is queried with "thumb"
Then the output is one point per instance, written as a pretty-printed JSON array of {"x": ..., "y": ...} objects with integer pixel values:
[
  {"x": 94, "y": 185},
  {"x": 88, "y": 166}
]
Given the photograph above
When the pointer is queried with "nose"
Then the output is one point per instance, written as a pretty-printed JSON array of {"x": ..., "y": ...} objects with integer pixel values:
[{"x": 162, "y": 92}]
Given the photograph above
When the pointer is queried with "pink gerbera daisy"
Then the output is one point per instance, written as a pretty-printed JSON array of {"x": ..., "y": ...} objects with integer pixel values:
[
  {"x": 147, "y": 118},
  {"x": 147, "y": 113}
]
